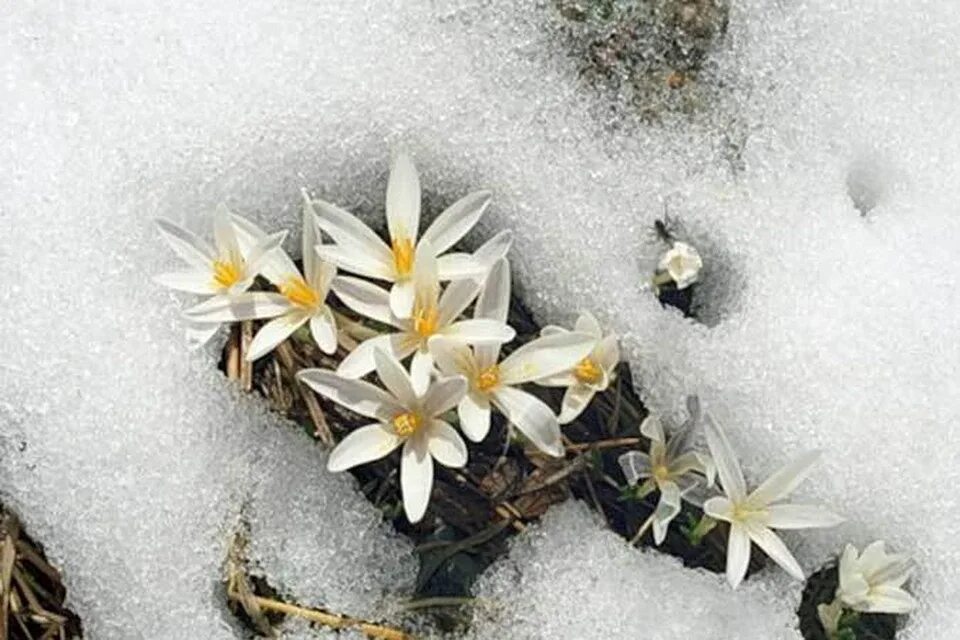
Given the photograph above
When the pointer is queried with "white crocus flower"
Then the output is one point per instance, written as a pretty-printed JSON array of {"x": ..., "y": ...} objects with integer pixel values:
[
  {"x": 591, "y": 374},
  {"x": 872, "y": 582},
  {"x": 359, "y": 250},
  {"x": 301, "y": 298},
  {"x": 670, "y": 467},
  {"x": 494, "y": 382},
  {"x": 433, "y": 315},
  {"x": 754, "y": 516},
  {"x": 683, "y": 263},
  {"x": 221, "y": 271},
  {"x": 403, "y": 417}
]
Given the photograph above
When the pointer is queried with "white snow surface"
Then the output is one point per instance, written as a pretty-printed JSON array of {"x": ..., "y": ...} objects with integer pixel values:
[{"x": 129, "y": 457}]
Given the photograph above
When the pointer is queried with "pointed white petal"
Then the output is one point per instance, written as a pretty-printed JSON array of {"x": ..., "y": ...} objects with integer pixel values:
[
  {"x": 358, "y": 396},
  {"x": 276, "y": 266},
  {"x": 728, "y": 468},
  {"x": 199, "y": 334},
  {"x": 480, "y": 331},
  {"x": 323, "y": 328},
  {"x": 275, "y": 332},
  {"x": 653, "y": 429},
  {"x": 458, "y": 266},
  {"x": 586, "y": 323},
  {"x": 738, "y": 555},
  {"x": 199, "y": 282},
  {"x": 311, "y": 236},
  {"x": 360, "y": 361},
  {"x": 364, "y": 297},
  {"x": 425, "y": 279},
  {"x": 403, "y": 199},
  {"x": 494, "y": 300},
  {"x": 402, "y": 295},
  {"x": 455, "y": 298},
  {"x": 244, "y": 306},
  {"x": 474, "y": 413},
  {"x": 532, "y": 417},
  {"x": 364, "y": 445},
  {"x": 443, "y": 395},
  {"x": 322, "y": 275},
  {"x": 635, "y": 466},
  {"x": 667, "y": 509},
  {"x": 224, "y": 233},
  {"x": 575, "y": 400},
  {"x": 607, "y": 353},
  {"x": 545, "y": 356},
  {"x": 452, "y": 357},
  {"x": 888, "y": 599},
  {"x": 394, "y": 377},
  {"x": 773, "y": 546},
  {"x": 494, "y": 248},
  {"x": 800, "y": 516},
  {"x": 421, "y": 369},
  {"x": 784, "y": 481},
  {"x": 564, "y": 379},
  {"x": 354, "y": 261},
  {"x": 416, "y": 478},
  {"x": 186, "y": 244},
  {"x": 454, "y": 223},
  {"x": 263, "y": 258},
  {"x": 446, "y": 445},
  {"x": 719, "y": 508},
  {"x": 351, "y": 233}
]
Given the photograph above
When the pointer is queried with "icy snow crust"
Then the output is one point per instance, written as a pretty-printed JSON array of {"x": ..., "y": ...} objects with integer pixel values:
[{"x": 131, "y": 458}]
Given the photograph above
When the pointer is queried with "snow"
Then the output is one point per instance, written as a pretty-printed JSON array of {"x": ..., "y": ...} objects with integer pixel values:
[{"x": 128, "y": 456}]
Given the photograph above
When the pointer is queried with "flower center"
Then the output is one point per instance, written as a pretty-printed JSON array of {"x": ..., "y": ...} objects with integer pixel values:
[
  {"x": 228, "y": 272},
  {"x": 406, "y": 424},
  {"x": 299, "y": 292},
  {"x": 587, "y": 371},
  {"x": 488, "y": 378},
  {"x": 661, "y": 472},
  {"x": 426, "y": 320},
  {"x": 742, "y": 512},
  {"x": 403, "y": 252}
]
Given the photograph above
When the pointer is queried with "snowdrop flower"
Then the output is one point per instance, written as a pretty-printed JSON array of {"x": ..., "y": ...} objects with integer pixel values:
[
  {"x": 221, "y": 271},
  {"x": 359, "y": 250},
  {"x": 872, "y": 581},
  {"x": 754, "y": 516},
  {"x": 591, "y": 374},
  {"x": 494, "y": 382},
  {"x": 403, "y": 417},
  {"x": 301, "y": 298},
  {"x": 682, "y": 263},
  {"x": 433, "y": 315},
  {"x": 675, "y": 471}
]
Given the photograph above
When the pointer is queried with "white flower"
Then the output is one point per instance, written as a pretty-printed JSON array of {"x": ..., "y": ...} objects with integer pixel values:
[
  {"x": 683, "y": 263},
  {"x": 495, "y": 383},
  {"x": 872, "y": 582},
  {"x": 433, "y": 315},
  {"x": 359, "y": 250},
  {"x": 402, "y": 417},
  {"x": 222, "y": 271},
  {"x": 675, "y": 471},
  {"x": 753, "y": 517},
  {"x": 591, "y": 374},
  {"x": 301, "y": 298}
]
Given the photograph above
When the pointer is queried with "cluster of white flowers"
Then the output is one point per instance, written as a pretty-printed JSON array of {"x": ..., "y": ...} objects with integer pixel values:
[{"x": 454, "y": 361}]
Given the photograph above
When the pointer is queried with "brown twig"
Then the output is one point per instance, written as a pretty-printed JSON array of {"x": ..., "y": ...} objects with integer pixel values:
[
  {"x": 246, "y": 366},
  {"x": 320, "y": 426},
  {"x": 234, "y": 357}
]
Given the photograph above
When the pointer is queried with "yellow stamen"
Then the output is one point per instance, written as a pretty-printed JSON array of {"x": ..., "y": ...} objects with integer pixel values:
[
  {"x": 742, "y": 512},
  {"x": 403, "y": 252},
  {"x": 426, "y": 320},
  {"x": 227, "y": 273},
  {"x": 406, "y": 424},
  {"x": 661, "y": 473},
  {"x": 300, "y": 293},
  {"x": 587, "y": 371},
  {"x": 488, "y": 378}
]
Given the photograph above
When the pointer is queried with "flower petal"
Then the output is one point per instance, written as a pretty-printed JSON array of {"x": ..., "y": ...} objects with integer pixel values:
[
  {"x": 416, "y": 478},
  {"x": 575, "y": 400},
  {"x": 667, "y": 509},
  {"x": 421, "y": 369},
  {"x": 224, "y": 233},
  {"x": 457, "y": 266},
  {"x": 455, "y": 298},
  {"x": 889, "y": 599},
  {"x": 275, "y": 332},
  {"x": 728, "y": 468},
  {"x": 494, "y": 248},
  {"x": 199, "y": 334},
  {"x": 276, "y": 266},
  {"x": 363, "y": 445},
  {"x": 186, "y": 244},
  {"x": 773, "y": 546},
  {"x": 443, "y": 395},
  {"x": 607, "y": 353},
  {"x": 395, "y": 378},
  {"x": 783, "y": 481},
  {"x": 244, "y": 306},
  {"x": 364, "y": 297},
  {"x": 452, "y": 357},
  {"x": 564, "y": 379},
  {"x": 635, "y": 466},
  {"x": 474, "y": 413},
  {"x": 199, "y": 282},
  {"x": 323, "y": 328},
  {"x": 545, "y": 356},
  {"x": 480, "y": 331},
  {"x": 800, "y": 516},
  {"x": 738, "y": 555},
  {"x": 532, "y": 417},
  {"x": 358, "y": 396},
  {"x": 719, "y": 508},
  {"x": 402, "y": 295},
  {"x": 360, "y": 361},
  {"x": 454, "y": 223},
  {"x": 403, "y": 199},
  {"x": 446, "y": 445},
  {"x": 494, "y": 300},
  {"x": 350, "y": 259},
  {"x": 586, "y": 323},
  {"x": 351, "y": 233},
  {"x": 652, "y": 428}
]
